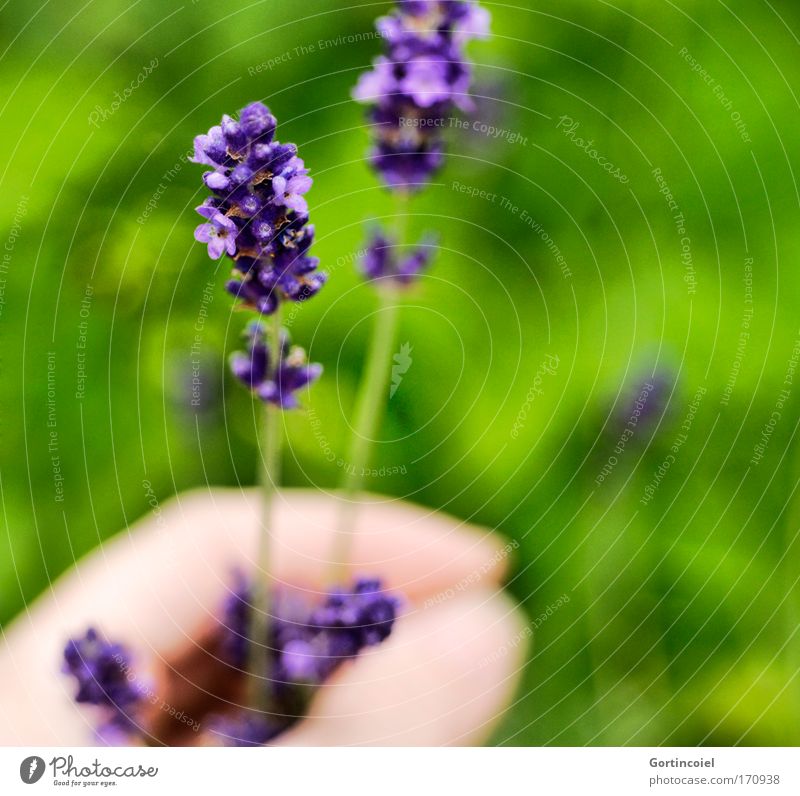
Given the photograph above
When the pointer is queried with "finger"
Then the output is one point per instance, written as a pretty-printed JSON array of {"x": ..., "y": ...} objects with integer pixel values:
[{"x": 443, "y": 677}]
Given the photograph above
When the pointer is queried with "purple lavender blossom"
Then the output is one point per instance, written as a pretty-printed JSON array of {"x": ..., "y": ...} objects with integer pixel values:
[
  {"x": 414, "y": 88},
  {"x": 290, "y": 185},
  {"x": 382, "y": 260},
  {"x": 348, "y": 621},
  {"x": 257, "y": 213},
  {"x": 364, "y": 615},
  {"x": 308, "y": 644},
  {"x": 219, "y": 233},
  {"x": 102, "y": 670},
  {"x": 274, "y": 383}
]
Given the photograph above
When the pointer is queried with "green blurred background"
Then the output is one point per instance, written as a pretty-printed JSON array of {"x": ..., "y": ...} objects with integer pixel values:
[{"x": 682, "y": 615}]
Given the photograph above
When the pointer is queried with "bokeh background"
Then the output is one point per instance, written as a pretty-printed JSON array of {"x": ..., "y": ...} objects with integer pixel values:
[{"x": 681, "y": 623}]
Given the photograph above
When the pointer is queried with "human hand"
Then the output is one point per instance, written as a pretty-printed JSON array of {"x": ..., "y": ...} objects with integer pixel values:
[{"x": 443, "y": 677}]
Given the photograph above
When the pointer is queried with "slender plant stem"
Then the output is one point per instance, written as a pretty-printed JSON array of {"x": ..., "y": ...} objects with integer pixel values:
[
  {"x": 373, "y": 393},
  {"x": 260, "y": 616},
  {"x": 370, "y": 405}
]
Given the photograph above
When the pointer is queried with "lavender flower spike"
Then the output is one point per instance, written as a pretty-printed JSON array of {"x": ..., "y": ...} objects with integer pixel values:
[
  {"x": 257, "y": 212},
  {"x": 413, "y": 89},
  {"x": 274, "y": 383}
]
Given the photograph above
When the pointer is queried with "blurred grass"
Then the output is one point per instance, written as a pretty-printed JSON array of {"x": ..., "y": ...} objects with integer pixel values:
[{"x": 679, "y": 634}]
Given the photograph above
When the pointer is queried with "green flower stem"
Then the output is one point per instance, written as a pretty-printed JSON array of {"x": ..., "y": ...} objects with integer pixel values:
[
  {"x": 260, "y": 615},
  {"x": 370, "y": 405}
]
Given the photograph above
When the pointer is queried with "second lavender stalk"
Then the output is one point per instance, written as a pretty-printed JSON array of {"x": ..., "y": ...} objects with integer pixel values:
[{"x": 423, "y": 78}]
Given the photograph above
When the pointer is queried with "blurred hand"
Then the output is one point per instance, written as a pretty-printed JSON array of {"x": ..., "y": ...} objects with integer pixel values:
[{"x": 443, "y": 677}]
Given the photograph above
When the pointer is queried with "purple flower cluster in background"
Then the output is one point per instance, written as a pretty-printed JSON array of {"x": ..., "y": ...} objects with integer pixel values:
[
  {"x": 257, "y": 213},
  {"x": 307, "y": 645},
  {"x": 273, "y": 382},
  {"x": 647, "y": 402},
  {"x": 415, "y": 87},
  {"x": 383, "y": 261},
  {"x": 102, "y": 671}
]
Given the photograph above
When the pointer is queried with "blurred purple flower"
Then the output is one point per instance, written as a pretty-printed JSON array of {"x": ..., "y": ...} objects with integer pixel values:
[
  {"x": 417, "y": 84},
  {"x": 382, "y": 261},
  {"x": 308, "y": 643},
  {"x": 647, "y": 402},
  {"x": 102, "y": 671}
]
